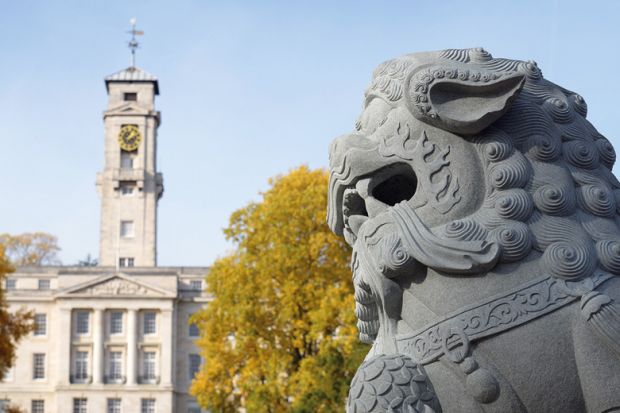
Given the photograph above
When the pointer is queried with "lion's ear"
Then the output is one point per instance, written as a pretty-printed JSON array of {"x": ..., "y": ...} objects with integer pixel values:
[{"x": 467, "y": 106}]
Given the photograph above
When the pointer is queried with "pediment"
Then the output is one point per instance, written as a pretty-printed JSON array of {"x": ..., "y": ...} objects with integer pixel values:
[
  {"x": 115, "y": 285},
  {"x": 127, "y": 109}
]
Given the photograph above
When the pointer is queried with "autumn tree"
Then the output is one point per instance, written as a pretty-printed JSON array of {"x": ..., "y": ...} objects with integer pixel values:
[
  {"x": 38, "y": 248},
  {"x": 280, "y": 334},
  {"x": 13, "y": 326}
]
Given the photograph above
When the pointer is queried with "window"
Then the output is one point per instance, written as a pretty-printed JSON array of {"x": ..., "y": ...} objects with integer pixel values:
[
  {"x": 114, "y": 405},
  {"x": 193, "y": 330},
  {"x": 81, "y": 365},
  {"x": 37, "y": 406},
  {"x": 194, "y": 365},
  {"x": 127, "y": 188},
  {"x": 4, "y": 403},
  {"x": 125, "y": 262},
  {"x": 40, "y": 324},
  {"x": 147, "y": 406},
  {"x": 196, "y": 285},
  {"x": 150, "y": 322},
  {"x": 115, "y": 368},
  {"x": 38, "y": 366},
  {"x": 193, "y": 409},
  {"x": 11, "y": 283},
  {"x": 82, "y": 322},
  {"x": 130, "y": 96},
  {"x": 127, "y": 229},
  {"x": 8, "y": 376},
  {"x": 116, "y": 322},
  {"x": 127, "y": 159},
  {"x": 148, "y": 365},
  {"x": 44, "y": 284},
  {"x": 79, "y": 405}
]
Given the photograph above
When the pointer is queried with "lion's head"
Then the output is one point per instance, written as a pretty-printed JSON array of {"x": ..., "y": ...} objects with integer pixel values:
[{"x": 461, "y": 162}]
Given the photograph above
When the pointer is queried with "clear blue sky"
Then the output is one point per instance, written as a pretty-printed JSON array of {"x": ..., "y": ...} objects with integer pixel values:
[{"x": 248, "y": 90}]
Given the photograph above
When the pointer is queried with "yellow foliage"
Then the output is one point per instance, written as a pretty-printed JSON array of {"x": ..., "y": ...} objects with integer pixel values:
[
  {"x": 38, "y": 248},
  {"x": 280, "y": 334}
]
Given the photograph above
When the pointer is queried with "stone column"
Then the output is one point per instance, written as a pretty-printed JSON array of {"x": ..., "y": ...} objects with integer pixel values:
[
  {"x": 167, "y": 336},
  {"x": 98, "y": 335},
  {"x": 64, "y": 334},
  {"x": 132, "y": 346}
]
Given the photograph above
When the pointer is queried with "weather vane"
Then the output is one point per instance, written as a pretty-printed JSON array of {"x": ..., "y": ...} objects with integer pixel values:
[{"x": 133, "y": 43}]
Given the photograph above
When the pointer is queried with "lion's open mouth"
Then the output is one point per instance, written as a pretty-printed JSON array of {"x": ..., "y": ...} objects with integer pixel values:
[{"x": 374, "y": 195}]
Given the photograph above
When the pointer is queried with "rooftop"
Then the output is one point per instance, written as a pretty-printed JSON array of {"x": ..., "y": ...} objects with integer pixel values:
[
  {"x": 74, "y": 269},
  {"x": 132, "y": 74}
]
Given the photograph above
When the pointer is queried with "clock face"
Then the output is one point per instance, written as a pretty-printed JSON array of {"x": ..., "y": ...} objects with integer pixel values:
[{"x": 129, "y": 137}]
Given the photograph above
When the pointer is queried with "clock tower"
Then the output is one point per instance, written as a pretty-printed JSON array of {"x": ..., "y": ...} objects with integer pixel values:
[{"x": 129, "y": 185}]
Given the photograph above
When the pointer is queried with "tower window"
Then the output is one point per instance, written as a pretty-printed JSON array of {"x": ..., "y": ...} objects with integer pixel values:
[
  {"x": 44, "y": 284},
  {"x": 127, "y": 229},
  {"x": 125, "y": 262},
  {"x": 127, "y": 188},
  {"x": 130, "y": 96},
  {"x": 127, "y": 159}
]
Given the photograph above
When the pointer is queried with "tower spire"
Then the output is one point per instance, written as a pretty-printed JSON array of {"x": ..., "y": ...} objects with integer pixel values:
[{"x": 133, "y": 43}]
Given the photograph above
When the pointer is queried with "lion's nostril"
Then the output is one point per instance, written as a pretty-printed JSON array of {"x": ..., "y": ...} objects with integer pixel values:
[{"x": 397, "y": 188}]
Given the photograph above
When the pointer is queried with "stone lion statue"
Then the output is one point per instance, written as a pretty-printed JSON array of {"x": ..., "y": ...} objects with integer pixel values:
[{"x": 483, "y": 216}]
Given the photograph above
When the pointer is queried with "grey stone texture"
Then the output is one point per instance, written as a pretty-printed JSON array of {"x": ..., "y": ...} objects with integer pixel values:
[{"x": 483, "y": 216}]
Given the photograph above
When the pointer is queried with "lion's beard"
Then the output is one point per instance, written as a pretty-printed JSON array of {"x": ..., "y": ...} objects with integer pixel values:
[{"x": 392, "y": 246}]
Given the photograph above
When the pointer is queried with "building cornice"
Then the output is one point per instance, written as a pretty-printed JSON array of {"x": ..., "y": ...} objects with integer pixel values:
[{"x": 83, "y": 270}]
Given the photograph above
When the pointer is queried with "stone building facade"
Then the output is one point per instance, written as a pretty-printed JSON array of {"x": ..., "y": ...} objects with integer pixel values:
[{"x": 113, "y": 338}]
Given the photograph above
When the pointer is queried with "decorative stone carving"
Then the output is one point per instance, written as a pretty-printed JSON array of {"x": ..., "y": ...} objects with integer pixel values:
[
  {"x": 395, "y": 384},
  {"x": 483, "y": 216},
  {"x": 116, "y": 287}
]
